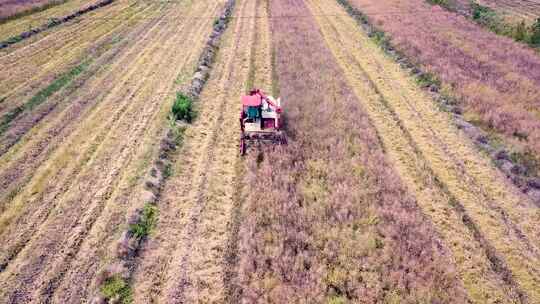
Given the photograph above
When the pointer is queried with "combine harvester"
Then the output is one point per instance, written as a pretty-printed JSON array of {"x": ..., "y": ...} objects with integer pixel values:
[{"x": 260, "y": 120}]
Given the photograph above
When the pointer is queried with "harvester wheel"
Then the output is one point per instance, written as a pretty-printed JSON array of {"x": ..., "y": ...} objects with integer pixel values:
[
  {"x": 282, "y": 138},
  {"x": 242, "y": 146}
]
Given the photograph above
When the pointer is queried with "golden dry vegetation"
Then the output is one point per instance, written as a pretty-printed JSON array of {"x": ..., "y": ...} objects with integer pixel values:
[{"x": 377, "y": 198}]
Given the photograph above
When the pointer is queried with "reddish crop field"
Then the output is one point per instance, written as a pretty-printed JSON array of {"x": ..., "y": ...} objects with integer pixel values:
[
  {"x": 327, "y": 218},
  {"x": 495, "y": 79},
  {"x": 520, "y": 9},
  {"x": 12, "y": 7}
]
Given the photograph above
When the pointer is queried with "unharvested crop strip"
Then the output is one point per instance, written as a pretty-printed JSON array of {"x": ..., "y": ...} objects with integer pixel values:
[
  {"x": 130, "y": 242},
  {"x": 232, "y": 291},
  {"x": 386, "y": 46},
  {"x": 322, "y": 212},
  {"x": 493, "y": 257},
  {"x": 427, "y": 173},
  {"x": 32, "y": 10},
  {"x": 492, "y": 22},
  {"x": 53, "y": 23}
]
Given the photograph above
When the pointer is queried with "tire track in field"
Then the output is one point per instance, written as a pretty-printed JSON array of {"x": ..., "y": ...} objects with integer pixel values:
[
  {"x": 185, "y": 260},
  {"x": 499, "y": 221},
  {"x": 166, "y": 50},
  {"x": 260, "y": 76}
]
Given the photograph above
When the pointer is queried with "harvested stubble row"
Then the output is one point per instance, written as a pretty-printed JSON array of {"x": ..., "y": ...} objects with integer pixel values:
[
  {"x": 123, "y": 262},
  {"x": 186, "y": 259},
  {"x": 488, "y": 224},
  {"x": 21, "y": 154},
  {"x": 30, "y": 68},
  {"x": 52, "y": 23},
  {"x": 495, "y": 79},
  {"x": 56, "y": 230},
  {"x": 326, "y": 218}
]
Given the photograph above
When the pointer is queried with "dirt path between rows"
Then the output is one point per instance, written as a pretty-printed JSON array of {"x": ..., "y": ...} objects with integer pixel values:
[
  {"x": 487, "y": 223},
  {"x": 185, "y": 260}
]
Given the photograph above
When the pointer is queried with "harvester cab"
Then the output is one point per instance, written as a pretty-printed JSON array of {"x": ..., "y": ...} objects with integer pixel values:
[{"x": 260, "y": 120}]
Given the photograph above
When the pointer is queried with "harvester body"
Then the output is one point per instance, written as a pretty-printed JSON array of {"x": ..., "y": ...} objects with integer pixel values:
[{"x": 260, "y": 120}]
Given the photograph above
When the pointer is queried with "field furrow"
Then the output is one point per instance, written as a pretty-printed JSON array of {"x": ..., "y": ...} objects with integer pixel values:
[
  {"x": 185, "y": 259},
  {"x": 488, "y": 224},
  {"x": 68, "y": 222}
]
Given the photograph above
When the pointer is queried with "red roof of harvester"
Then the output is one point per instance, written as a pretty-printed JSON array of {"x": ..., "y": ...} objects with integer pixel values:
[{"x": 252, "y": 101}]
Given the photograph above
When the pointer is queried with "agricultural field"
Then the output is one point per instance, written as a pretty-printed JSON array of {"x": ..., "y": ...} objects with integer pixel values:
[
  {"x": 528, "y": 10},
  {"x": 13, "y": 26},
  {"x": 479, "y": 69},
  {"x": 121, "y": 179},
  {"x": 12, "y": 8}
]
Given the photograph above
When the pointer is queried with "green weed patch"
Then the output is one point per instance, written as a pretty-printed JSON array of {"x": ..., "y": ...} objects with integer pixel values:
[
  {"x": 147, "y": 222},
  {"x": 117, "y": 289},
  {"x": 183, "y": 107}
]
